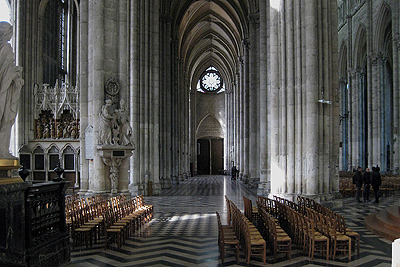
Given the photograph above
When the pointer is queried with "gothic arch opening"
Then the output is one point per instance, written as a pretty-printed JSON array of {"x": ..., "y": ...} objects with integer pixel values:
[
  {"x": 209, "y": 34},
  {"x": 210, "y": 154}
]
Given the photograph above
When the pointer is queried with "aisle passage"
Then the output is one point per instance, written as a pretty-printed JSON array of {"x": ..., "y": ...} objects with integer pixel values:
[{"x": 184, "y": 231}]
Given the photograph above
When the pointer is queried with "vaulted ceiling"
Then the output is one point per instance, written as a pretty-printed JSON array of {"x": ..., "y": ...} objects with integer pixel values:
[{"x": 210, "y": 32}]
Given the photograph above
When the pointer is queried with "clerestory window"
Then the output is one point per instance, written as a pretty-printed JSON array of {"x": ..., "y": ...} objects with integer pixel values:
[{"x": 55, "y": 30}]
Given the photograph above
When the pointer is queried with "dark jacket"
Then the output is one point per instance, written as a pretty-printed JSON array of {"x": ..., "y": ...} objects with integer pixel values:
[
  {"x": 358, "y": 179},
  {"x": 376, "y": 179},
  {"x": 367, "y": 177}
]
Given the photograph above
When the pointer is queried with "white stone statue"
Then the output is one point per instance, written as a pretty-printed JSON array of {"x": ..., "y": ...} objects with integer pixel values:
[
  {"x": 125, "y": 133},
  {"x": 106, "y": 120},
  {"x": 10, "y": 89}
]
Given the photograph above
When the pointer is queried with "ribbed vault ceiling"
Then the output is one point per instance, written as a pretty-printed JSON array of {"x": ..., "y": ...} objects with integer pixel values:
[{"x": 209, "y": 32}]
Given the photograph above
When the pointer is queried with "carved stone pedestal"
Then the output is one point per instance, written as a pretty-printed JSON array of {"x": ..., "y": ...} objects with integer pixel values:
[{"x": 113, "y": 156}]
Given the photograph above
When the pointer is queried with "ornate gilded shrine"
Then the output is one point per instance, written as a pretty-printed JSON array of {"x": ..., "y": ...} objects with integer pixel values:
[{"x": 56, "y": 132}]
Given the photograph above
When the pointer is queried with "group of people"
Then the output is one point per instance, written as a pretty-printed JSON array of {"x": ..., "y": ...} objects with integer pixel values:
[{"x": 367, "y": 179}]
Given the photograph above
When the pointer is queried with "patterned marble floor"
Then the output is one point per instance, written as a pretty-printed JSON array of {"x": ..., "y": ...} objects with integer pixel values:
[{"x": 184, "y": 231}]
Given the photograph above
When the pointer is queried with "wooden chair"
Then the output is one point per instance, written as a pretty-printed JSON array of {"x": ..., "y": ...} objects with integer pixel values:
[
  {"x": 339, "y": 242},
  {"x": 316, "y": 241},
  {"x": 112, "y": 232},
  {"x": 254, "y": 244},
  {"x": 355, "y": 237},
  {"x": 80, "y": 235},
  {"x": 228, "y": 210},
  {"x": 250, "y": 211},
  {"x": 280, "y": 242},
  {"x": 227, "y": 239}
]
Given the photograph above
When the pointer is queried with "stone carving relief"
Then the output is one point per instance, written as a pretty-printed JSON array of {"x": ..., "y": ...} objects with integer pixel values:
[
  {"x": 47, "y": 127},
  {"x": 114, "y": 127},
  {"x": 115, "y": 143},
  {"x": 56, "y": 111}
]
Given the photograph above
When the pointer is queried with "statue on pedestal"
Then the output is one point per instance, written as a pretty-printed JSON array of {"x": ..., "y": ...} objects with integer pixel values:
[
  {"x": 106, "y": 119},
  {"x": 10, "y": 88},
  {"x": 114, "y": 127}
]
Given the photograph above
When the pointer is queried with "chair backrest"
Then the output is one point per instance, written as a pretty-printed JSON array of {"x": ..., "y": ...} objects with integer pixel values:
[{"x": 228, "y": 210}]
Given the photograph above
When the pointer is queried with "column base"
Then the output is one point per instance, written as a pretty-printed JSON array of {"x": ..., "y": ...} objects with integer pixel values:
[
  {"x": 156, "y": 189},
  {"x": 264, "y": 189},
  {"x": 134, "y": 189},
  {"x": 168, "y": 183},
  {"x": 175, "y": 180}
]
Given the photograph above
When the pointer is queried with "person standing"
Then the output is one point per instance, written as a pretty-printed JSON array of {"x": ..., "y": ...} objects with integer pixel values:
[
  {"x": 358, "y": 181},
  {"x": 233, "y": 172},
  {"x": 367, "y": 184},
  {"x": 376, "y": 181}
]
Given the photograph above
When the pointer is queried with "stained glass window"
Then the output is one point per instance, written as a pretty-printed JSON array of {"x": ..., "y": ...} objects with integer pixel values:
[
  {"x": 211, "y": 81},
  {"x": 55, "y": 41}
]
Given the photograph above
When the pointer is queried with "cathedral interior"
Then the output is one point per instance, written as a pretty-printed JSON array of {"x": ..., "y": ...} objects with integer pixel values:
[{"x": 189, "y": 102}]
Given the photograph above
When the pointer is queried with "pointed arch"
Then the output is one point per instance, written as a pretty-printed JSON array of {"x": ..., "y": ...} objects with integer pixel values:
[
  {"x": 209, "y": 126},
  {"x": 343, "y": 59},
  {"x": 360, "y": 47},
  {"x": 383, "y": 21}
]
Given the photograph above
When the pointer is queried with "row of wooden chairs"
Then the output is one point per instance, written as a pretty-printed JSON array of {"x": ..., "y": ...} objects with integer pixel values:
[
  {"x": 227, "y": 239},
  {"x": 115, "y": 219},
  {"x": 250, "y": 211},
  {"x": 339, "y": 220},
  {"x": 277, "y": 239},
  {"x": 250, "y": 239},
  {"x": 301, "y": 229},
  {"x": 388, "y": 187},
  {"x": 327, "y": 226},
  {"x": 296, "y": 219}
]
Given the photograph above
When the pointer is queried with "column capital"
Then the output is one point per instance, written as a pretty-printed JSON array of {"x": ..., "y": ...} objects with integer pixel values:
[
  {"x": 353, "y": 72},
  {"x": 241, "y": 61},
  {"x": 374, "y": 58},
  {"x": 246, "y": 43},
  {"x": 254, "y": 18}
]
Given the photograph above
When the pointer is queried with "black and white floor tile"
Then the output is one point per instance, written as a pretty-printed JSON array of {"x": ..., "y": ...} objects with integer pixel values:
[{"x": 184, "y": 231}]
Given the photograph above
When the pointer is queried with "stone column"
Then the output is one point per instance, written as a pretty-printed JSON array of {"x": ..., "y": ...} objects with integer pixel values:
[
  {"x": 298, "y": 97},
  {"x": 237, "y": 112},
  {"x": 333, "y": 84},
  {"x": 167, "y": 104},
  {"x": 246, "y": 116},
  {"x": 354, "y": 126},
  {"x": 97, "y": 169},
  {"x": 311, "y": 147},
  {"x": 283, "y": 102},
  {"x": 396, "y": 103},
  {"x": 263, "y": 100},
  {"x": 134, "y": 96},
  {"x": 123, "y": 79},
  {"x": 290, "y": 97},
  {"x": 241, "y": 108},
  {"x": 254, "y": 87},
  {"x": 155, "y": 94},
  {"x": 276, "y": 172},
  {"x": 375, "y": 122},
  {"x": 83, "y": 83}
]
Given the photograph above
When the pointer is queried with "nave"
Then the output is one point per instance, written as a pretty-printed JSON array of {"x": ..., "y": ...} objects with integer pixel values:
[{"x": 184, "y": 231}]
